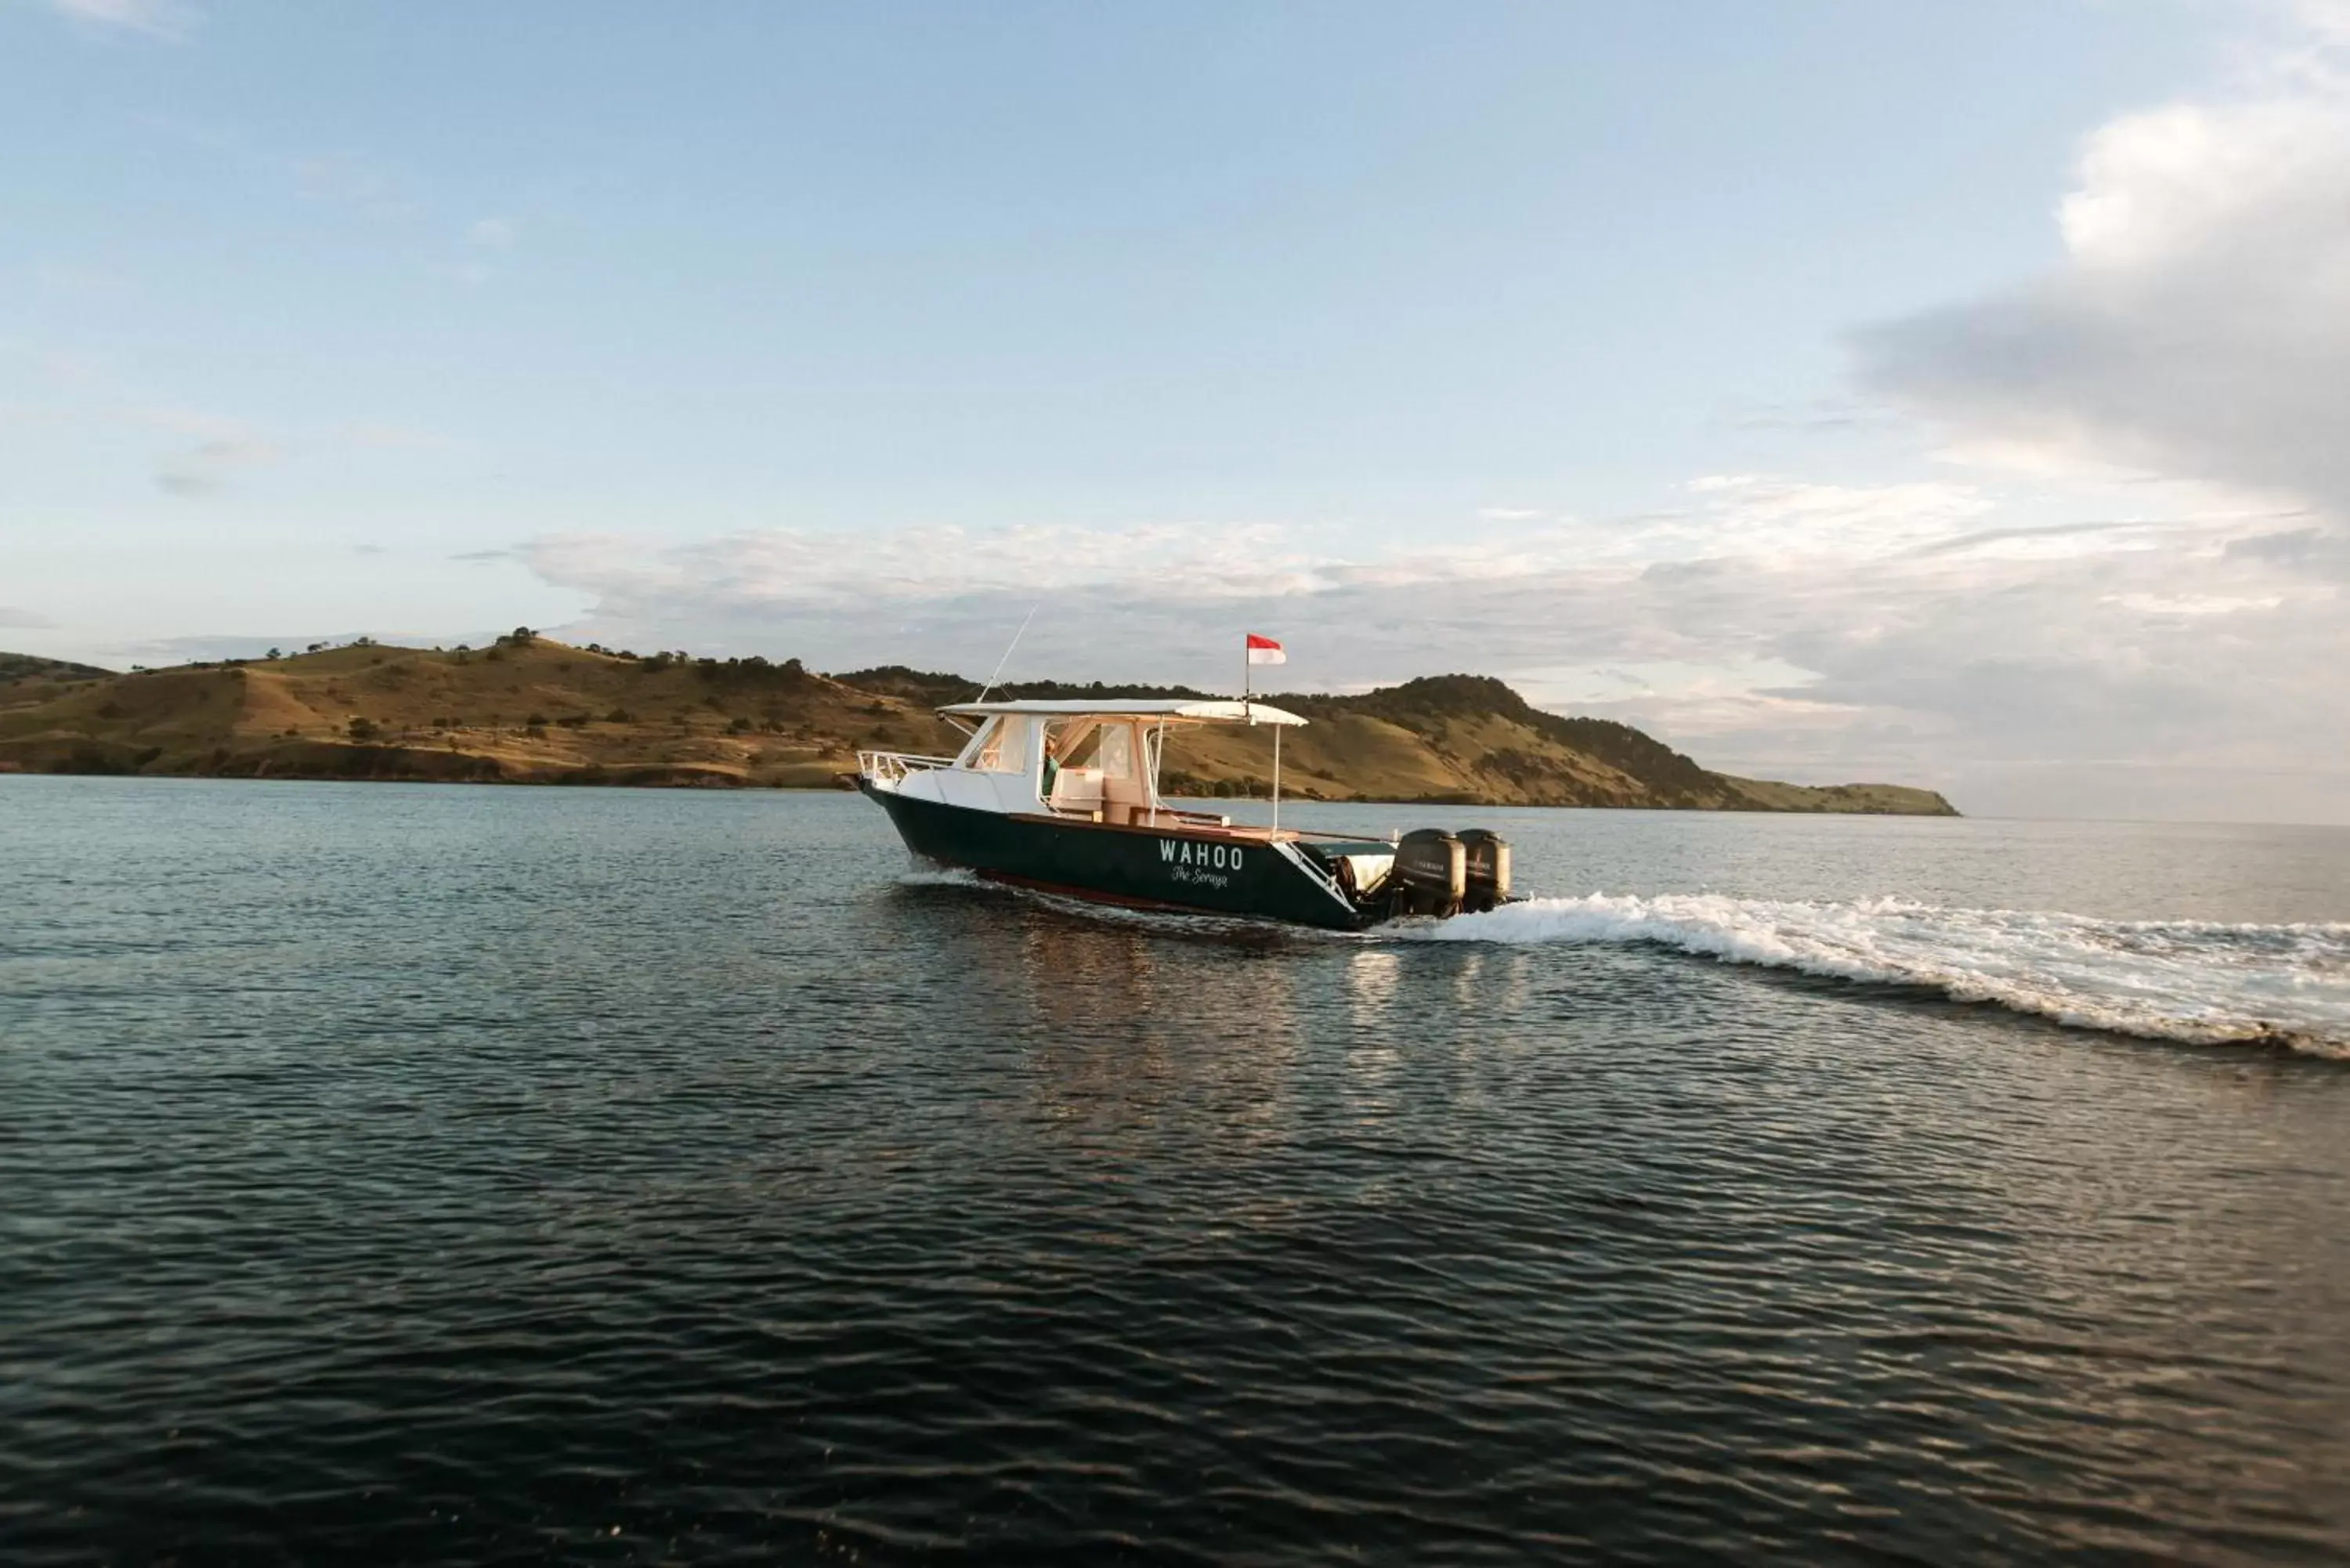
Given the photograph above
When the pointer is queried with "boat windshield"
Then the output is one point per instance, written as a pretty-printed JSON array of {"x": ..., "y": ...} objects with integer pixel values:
[
  {"x": 1000, "y": 747},
  {"x": 1114, "y": 751},
  {"x": 1104, "y": 745}
]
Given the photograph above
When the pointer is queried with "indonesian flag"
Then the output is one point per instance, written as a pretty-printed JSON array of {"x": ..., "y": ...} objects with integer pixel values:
[{"x": 1265, "y": 650}]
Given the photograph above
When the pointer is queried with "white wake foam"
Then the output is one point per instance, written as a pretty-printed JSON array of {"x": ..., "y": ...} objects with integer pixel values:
[
  {"x": 924, "y": 876},
  {"x": 2176, "y": 980}
]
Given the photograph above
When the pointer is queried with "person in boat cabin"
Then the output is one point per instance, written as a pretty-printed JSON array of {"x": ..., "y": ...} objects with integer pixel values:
[{"x": 1052, "y": 760}]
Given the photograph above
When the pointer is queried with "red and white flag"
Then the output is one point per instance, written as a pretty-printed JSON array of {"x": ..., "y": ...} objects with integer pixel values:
[{"x": 1265, "y": 650}]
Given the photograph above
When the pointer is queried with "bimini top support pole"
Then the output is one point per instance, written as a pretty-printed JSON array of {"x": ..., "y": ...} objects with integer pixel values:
[
  {"x": 1277, "y": 778},
  {"x": 1157, "y": 748}
]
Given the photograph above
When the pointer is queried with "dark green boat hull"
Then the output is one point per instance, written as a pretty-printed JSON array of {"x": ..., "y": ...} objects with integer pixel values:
[{"x": 1140, "y": 868}]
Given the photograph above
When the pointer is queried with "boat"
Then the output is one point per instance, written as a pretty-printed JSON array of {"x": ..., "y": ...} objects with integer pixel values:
[{"x": 1063, "y": 798}]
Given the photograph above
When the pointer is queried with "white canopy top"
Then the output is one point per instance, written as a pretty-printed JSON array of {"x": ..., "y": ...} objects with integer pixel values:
[{"x": 1172, "y": 710}]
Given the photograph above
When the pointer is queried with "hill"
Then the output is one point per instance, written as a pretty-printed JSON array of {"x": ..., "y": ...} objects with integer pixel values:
[
  {"x": 529, "y": 709},
  {"x": 1469, "y": 739},
  {"x": 18, "y": 666}
]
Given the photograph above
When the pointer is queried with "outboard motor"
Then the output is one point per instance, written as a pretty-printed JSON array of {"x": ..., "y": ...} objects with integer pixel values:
[
  {"x": 1488, "y": 854},
  {"x": 1430, "y": 873}
]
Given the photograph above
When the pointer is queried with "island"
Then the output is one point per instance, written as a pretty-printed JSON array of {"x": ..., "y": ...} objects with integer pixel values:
[{"x": 527, "y": 708}]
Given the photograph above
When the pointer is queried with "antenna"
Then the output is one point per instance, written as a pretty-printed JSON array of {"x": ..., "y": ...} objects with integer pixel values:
[{"x": 1007, "y": 652}]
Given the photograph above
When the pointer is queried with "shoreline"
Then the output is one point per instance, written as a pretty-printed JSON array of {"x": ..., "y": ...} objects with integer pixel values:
[
  {"x": 737, "y": 786},
  {"x": 532, "y": 710}
]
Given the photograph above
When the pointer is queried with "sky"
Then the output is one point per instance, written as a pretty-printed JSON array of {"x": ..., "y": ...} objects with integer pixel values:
[{"x": 1947, "y": 395}]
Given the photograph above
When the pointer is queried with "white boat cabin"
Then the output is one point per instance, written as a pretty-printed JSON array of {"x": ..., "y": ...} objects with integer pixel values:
[{"x": 1084, "y": 761}]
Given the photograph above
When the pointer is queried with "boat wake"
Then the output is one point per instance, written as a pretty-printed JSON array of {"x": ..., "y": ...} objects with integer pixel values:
[
  {"x": 2190, "y": 981},
  {"x": 938, "y": 877}
]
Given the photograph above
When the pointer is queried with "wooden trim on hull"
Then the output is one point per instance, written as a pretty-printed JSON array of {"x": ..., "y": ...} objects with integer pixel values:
[{"x": 1192, "y": 872}]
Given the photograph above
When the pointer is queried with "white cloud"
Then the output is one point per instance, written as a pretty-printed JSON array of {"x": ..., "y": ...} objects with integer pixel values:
[
  {"x": 170, "y": 20},
  {"x": 2192, "y": 604},
  {"x": 1778, "y": 514},
  {"x": 2191, "y": 354},
  {"x": 2198, "y": 327},
  {"x": 784, "y": 571},
  {"x": 492, "y": 233},
  {"x": 1916, "y": 632}
]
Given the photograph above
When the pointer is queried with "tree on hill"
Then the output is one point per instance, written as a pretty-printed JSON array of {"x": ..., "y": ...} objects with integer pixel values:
[
  {"x": 937, "y": 688},
  {"x": 754, "y": 671},
  {"x": 930, "y": 688}
]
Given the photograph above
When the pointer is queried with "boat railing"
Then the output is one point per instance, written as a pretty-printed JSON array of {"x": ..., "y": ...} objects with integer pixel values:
[{"x": 889, "y": 767}]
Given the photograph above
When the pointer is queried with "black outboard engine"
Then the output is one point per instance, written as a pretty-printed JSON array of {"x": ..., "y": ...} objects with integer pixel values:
[
  {"x": 1430, "y": 875},
  {"x": 1488, "y": 854}
]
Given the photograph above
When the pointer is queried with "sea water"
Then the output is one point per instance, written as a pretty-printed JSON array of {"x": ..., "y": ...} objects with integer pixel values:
[{"x": 486, "y": 1175}]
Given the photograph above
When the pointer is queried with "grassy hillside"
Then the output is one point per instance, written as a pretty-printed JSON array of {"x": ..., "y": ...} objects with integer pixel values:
[
  {"x": 1469, "y": 739},
  {"x": 525, "y": 710},
  {"x": 532, "y": 711},
  {"x": 15, "y": 668}
]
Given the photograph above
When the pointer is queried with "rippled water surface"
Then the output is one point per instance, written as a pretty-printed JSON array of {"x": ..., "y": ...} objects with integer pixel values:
[{"x": 468, "y": 1175}]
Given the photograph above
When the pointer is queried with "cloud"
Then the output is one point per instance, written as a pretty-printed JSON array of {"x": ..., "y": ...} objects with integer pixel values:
[
  {"x": 2192, "y": 604},
  {"x": 225, "y": 446},
  {"x": 2193, "y": 344},
  {"x": 207, "y": 468},
  {"x": 2313, "y": 550},
  {"x": 171, "y": 21},
  {"x": 20, "y": 620},
  {"x": 492, "y": 233},
  {"x": 2064, "y": 537},
  {"x": 776, "y": 573},
  {"x": 2198, "y": 327},
  {"x": 780, "y": 573},
  {"x": 1811, "y": 630}
]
